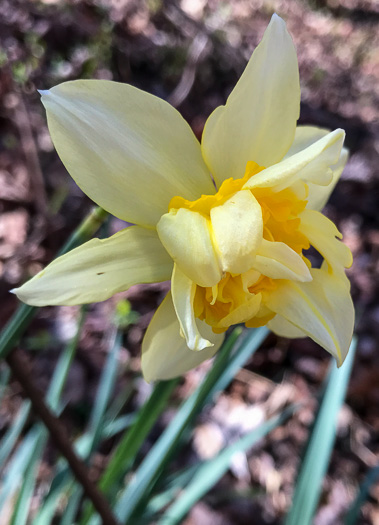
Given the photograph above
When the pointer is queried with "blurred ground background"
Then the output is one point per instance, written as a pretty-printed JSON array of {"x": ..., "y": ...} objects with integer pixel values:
[{"x": 191, "y": 53}]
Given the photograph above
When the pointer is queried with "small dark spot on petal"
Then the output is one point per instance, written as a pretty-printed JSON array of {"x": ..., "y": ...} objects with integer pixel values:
[{"x": 100, "y": 273}]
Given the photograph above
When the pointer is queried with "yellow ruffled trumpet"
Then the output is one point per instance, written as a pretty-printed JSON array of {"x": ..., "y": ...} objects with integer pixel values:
[{"x": 228, "y": 221}]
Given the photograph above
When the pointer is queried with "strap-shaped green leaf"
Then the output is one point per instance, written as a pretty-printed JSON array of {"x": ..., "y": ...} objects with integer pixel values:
[
  {"x": 150, "y": 470},
  {"x": 371, "y": 478},
  {"x": 210, "y": 472},
  {"x": 320, "y": 444}
]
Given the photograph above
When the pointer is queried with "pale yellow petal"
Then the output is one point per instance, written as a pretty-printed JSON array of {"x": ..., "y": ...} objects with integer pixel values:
[
  {"x": 250, "y": 278},
  {"x": 183, "y": 294},
  {"x": 259, "y": 119},
  {"x": 280, "y": 326},
  {"x": 313, "y": 164},
  {"x": 164, "y": 352},
  {"x": 243, "y": 312},
  {"x": 319, "y": 195},
  {"x": 324, "y": 236},
  {"x": 279, "y": 261},
  {"x": 306, "y": 136},
  {"x": 186, "y": 236},
  {"x": 129, "y": 151},
  {"x": 100, "y": 268},
  {"x": 322, "y": 309},
  {"x": 237, "y": 227}
]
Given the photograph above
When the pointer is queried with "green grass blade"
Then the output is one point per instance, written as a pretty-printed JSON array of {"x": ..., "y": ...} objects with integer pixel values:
[
  {"x": 118, "y": 425},
  {"x": 5, "y": 374},
  {"x": 248, "y": 343},
  {"x": 104, "y": 392},
  {"x": 24, "y": 314},
  {"x": 133, "y": 439},
  {"x": 63, "y": 366},
  {"x": 14, "y": 474},
  {"x": 172, "y": 486},
  {"x": 53, "y": 395},
  {"x": 15, "y": 328},
  {"x": 87, "y": 443},
  {"x": 211, "y": 471},
  {"x": 153, "y": 465},
  {"x": 13, "y": 433},
  {"x": 371, "y": 478},
  {"x": 71, "y": 510},
  {"x": 61, "y": 487},
  {"x": 21, "y": 510},
  {"x": 320, "y": 445},
  {"x": 118, "y": 403}
]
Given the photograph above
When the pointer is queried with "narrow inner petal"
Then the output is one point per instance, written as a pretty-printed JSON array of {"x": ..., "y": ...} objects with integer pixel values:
[
  {"x": 183, "y": 294},
  {"x": 325, "y": 237},
  {"x": 237, "y": 228},
  {"x": 187, "y": 238},
  {"x": 279, "y": 261},
  {"x": 312, "y": 164}
]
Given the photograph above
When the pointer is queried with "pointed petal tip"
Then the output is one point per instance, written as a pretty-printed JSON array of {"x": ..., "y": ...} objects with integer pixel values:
[
  {"x": 341, "y": 356},
  {"x": 338, "y": 134},
  {"x": 271, "y": 94},
  {"x": 278, "y": 23},
  {"x": 14, "y": 291},
  {"x": 43, "y": 92},
  {"x": 306, "y": 277},
  {"x": 277, "y": 19}
]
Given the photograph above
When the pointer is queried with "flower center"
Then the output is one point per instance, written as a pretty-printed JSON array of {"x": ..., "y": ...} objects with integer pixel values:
[
  {"x": 227, "y": 188},
  {"x": 239, "y": 296}
]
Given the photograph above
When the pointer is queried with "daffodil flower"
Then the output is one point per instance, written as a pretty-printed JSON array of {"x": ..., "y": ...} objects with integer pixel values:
[{"x": 228, "y": 221}]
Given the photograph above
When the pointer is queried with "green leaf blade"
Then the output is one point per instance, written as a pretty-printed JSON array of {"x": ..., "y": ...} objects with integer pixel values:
[
  {"x": 146, "y": 476},
  {"x": 211, "y": 471},
  {"x": 320, "y": 445}
]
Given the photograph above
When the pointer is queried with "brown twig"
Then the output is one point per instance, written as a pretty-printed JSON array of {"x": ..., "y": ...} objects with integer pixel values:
[{"x": 60, "y": 438}]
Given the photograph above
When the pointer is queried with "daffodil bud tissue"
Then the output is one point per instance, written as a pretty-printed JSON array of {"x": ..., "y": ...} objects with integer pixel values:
[{"x": 228, "y": 221}]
